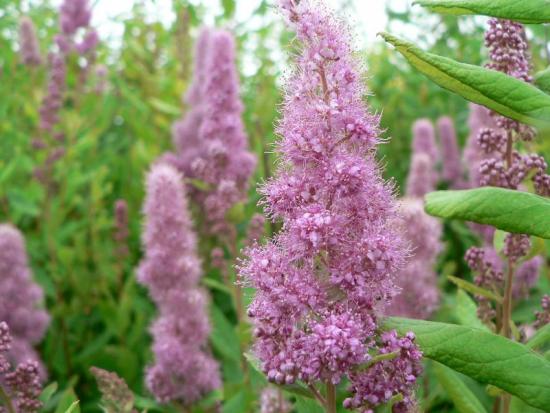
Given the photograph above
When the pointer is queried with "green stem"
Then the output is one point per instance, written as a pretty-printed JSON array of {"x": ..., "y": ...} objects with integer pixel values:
[
  {"x": 317, "y": 395},
  {"x": 6, "y": 401},
  {"x": 331, "y": 398},
  {"x": 376, "y": 359},
  {"x": 507, "y": 304}
]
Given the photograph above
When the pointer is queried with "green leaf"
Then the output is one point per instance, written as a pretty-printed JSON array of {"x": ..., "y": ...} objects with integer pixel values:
[
  {"x": 165, "y": 107},
  {"x": 466, "y": 311},
  {"x": 485, "y": 357},
  {"x": 463, "y": 398},
  {"x": 474, "y": 289},
  {"x": 542, "y": 80},
  {"x": 506, "y": 95},
  {"x": 216, "y": 285},
  {"x": 73, "y": 407},
  {"x": 228, "y": 8},
  {"x": 306, "y": 406},
  {"x": 224, "y": 337},
  {"x": 48, "y": 392},
  {"x": 236, "y": 404},
  {"x": 22, "y": 202},
  {"x": 540, "y": 338},
  {"x": 525, "y": 11},
  {"x": 511, "y": 211},
  {"x": 518, "y": 406},
  {"x": 145, "y": 403},
  {"x": 68, "y": 402}
]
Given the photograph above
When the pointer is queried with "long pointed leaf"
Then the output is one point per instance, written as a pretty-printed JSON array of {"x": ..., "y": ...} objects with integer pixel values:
[
  {"x": 506, "y": 95},
  {"x": 512, "y": 211},
  {"x": 525, "y": 11},
  {"x": 486, "y": 357},
  {"x": 463, "y": 398}
]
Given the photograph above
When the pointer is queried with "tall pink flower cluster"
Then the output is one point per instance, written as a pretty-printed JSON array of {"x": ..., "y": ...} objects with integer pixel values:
[
  {"x": 210, "y": 140},
  {"x": 74, "y": 20},
  {"x": 423, "y": 175},
  {"x": 323, "y": 279},
  {"x": 419, "y": 295},
  {"x": 424, "y": 139},
  {"x": 493, "y": 161},
  {"x": 506, "y": 167},
  {"x": 451, "y": 162},
  {"x": 183, "y": 369},
  {"x": 20, "y": 297},
  {"x": 272, "y": 400},
  {"x": 20, "y": 381},
  {"x": 76, "y": 33},
  {"x": 28, "y": 43}
]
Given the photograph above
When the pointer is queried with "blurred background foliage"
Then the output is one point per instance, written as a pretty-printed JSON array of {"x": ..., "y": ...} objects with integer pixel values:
[{"x": 100, "y": 316}]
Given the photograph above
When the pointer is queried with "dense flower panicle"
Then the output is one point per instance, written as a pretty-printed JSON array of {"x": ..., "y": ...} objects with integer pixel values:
[
  {"x": 480, "y": 121},
  {"x": 53, "y": 101},
  {"x": 210, "y": 140},
  {"x": 424, "y": 139},
  {"x": 272, "y": 400},
  {"x": 516, "y": 246},
  {"x": 322, "y": 281},
  {"x": 543, "y": 316},
  {"x": 21, "y": 383},
  {"x": 115, "y": 394},
  {"x": 185, "y": 137},
  {"x": 526, "y": 276},
  {"x": 5, "y": 346},
  {"x": 28, "y": 43},
  {"x": 419, "y": 294},
  {"x": 256, "y": 229},
  {"x": 388, "y": 378},
  {"x": 183, "y": 370},
  {"x": 73, "y": 15},
  {"x": 422, "y": 176},
  {"x": 508, "y": 48},
  {"x": 20, "y": 297},
  {"x": 451, "y": 162},
  {"x": 488, "y": 267}
]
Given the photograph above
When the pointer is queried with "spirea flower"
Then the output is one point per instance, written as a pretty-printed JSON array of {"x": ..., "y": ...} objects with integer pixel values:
[
  {"x": 20, "y": 297},
  {"x": 28, "y": 43},
  {"x": 422, "y": 176},
  {"x": 272, "y": 400},
  {"x": 451, "y": 162},
  {"x": 210, "y": 140},
  {"x": 419, "y": 294},
  {"x": 424, "y": 139},
  {"x": 115, "y": 394},
  {"x": 255, "y": 229},
  {"x": 388, "y": 378},
  {"x": 480, "y": 121},
  {"x": 527, "y": 276},
  {"x": 73, "y": 15},
  {"x": 487, "y": 266},
  {"x": 19, "y": 383},
  {"x": 508, "y": 51},
  {"x": 508, "y": 48},
  {"x": 183, "y": 369},
  {"x": 324, "y": 278},
  {"x": 53, "y": 101}
]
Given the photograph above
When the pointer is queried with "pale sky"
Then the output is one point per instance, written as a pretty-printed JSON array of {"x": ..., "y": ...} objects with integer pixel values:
[{"x": 369, "y": 19}]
